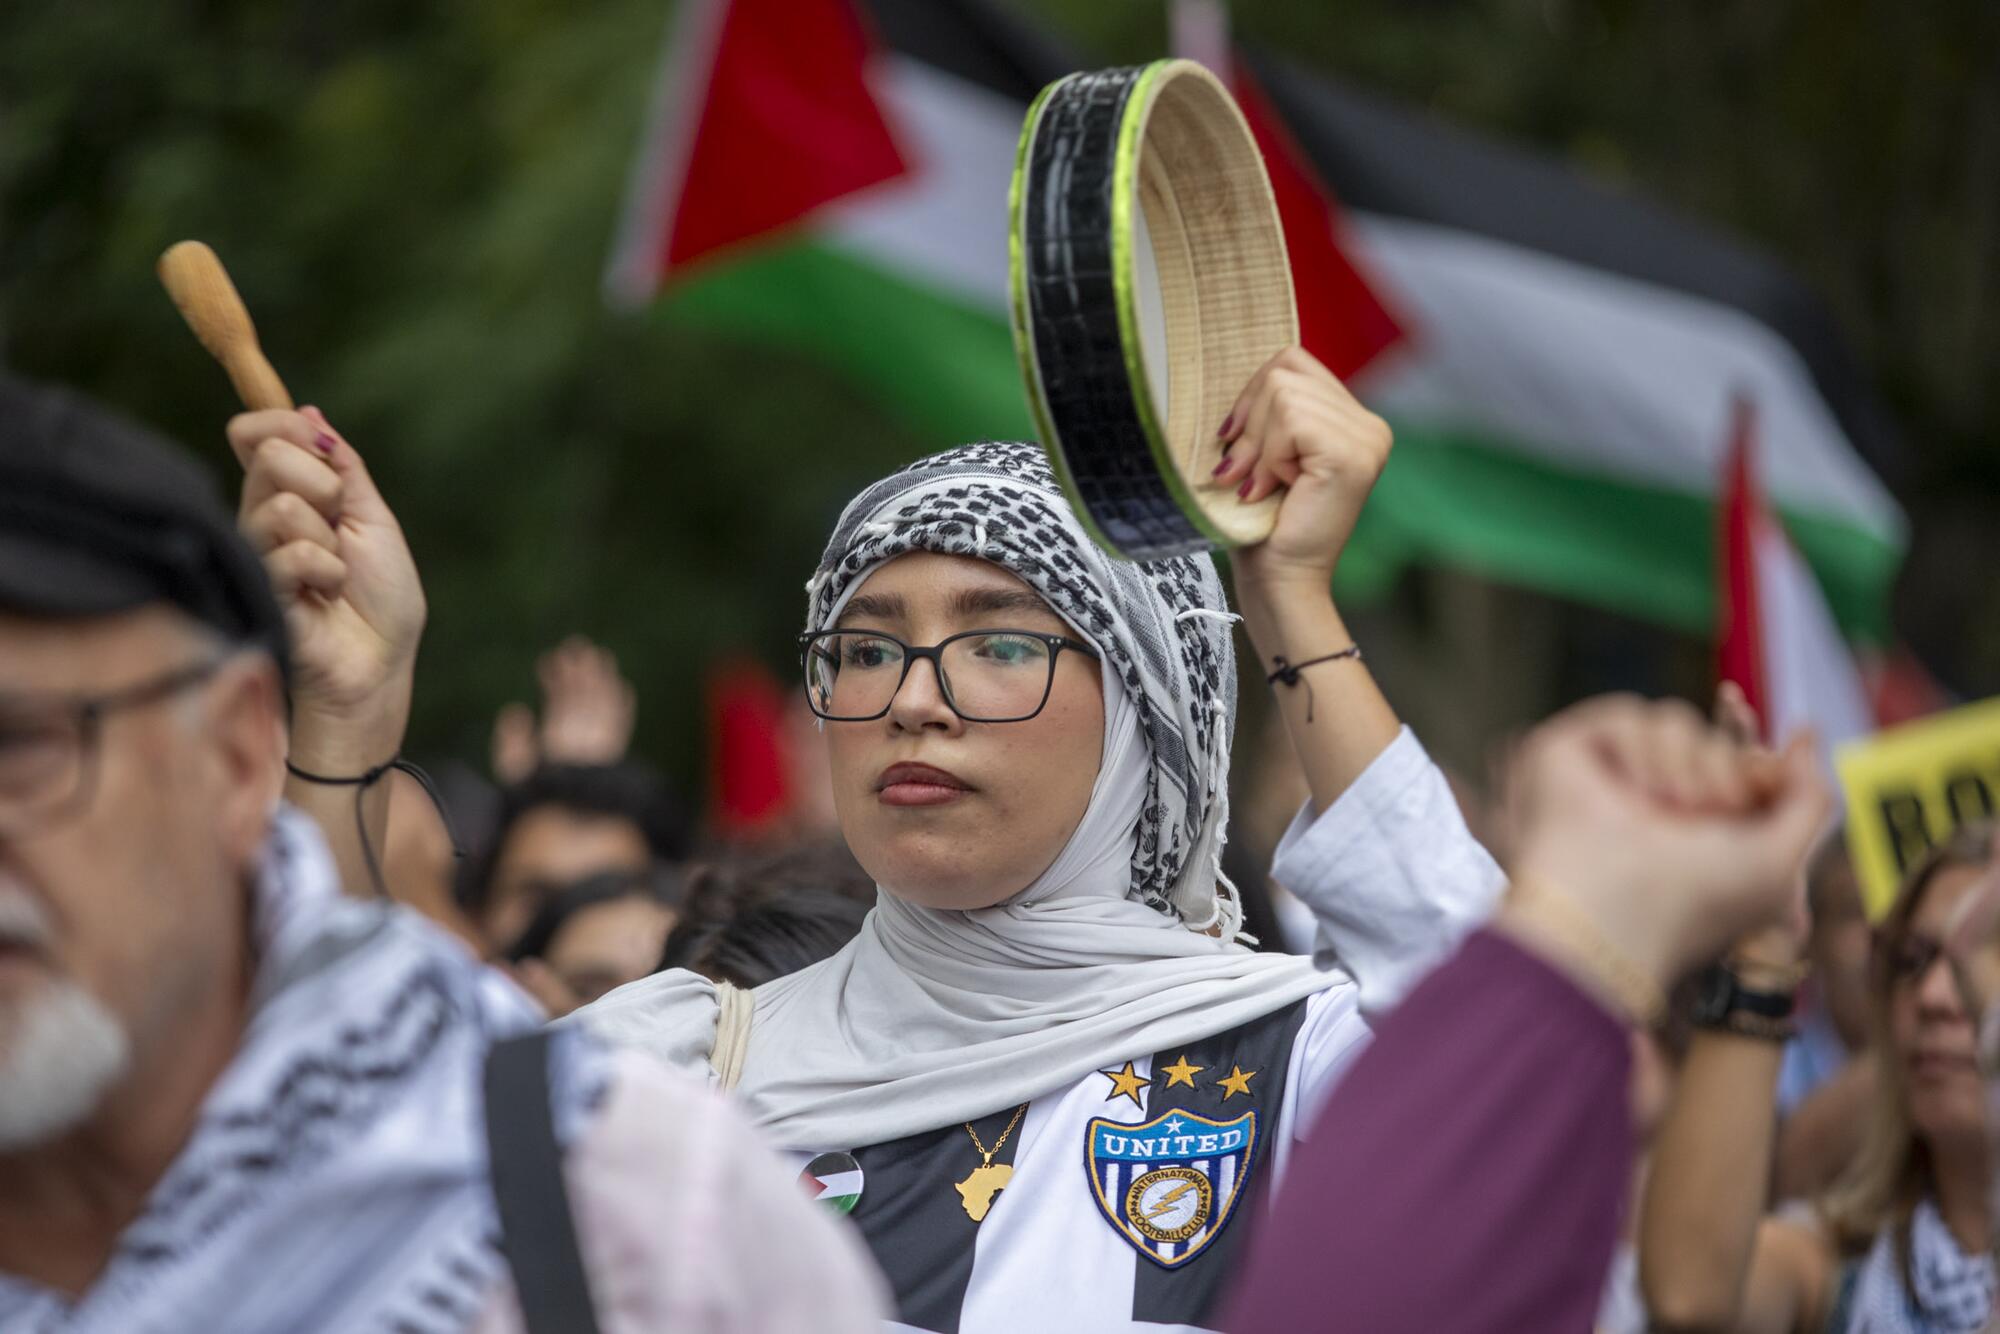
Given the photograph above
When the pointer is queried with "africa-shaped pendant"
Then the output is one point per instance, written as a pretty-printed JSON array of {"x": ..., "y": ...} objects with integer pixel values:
[{"x": 986, "y": 1181}]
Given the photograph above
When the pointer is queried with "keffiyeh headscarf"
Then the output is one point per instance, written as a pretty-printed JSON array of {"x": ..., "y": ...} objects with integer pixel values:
[
  {"x": 1161, "y": 628},
  {"x": 1124, "y": 945},
  {"x": 337, "y": 1174}
]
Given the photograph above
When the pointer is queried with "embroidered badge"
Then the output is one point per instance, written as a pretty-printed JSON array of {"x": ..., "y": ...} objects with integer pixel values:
[{"x": 1170, "y": 1184}]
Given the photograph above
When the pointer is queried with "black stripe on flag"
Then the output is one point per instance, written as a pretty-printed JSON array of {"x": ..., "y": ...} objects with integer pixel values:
[
  {"x": 1379, "y": 157},
  {"x": 978, "y": 41}
]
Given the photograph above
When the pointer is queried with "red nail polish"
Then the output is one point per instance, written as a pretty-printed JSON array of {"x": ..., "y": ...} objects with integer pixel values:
[
  {"x": 323, "y": 443},
  {"x": 1221, "y": 467},
  {"x": 1227, "y": 422},
  {"x": 1243, "y": 491}
]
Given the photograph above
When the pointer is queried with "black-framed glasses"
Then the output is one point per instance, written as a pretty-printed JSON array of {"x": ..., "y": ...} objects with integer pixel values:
[
  {"x": 49, "y": 742},
  {"x": 985, "y": 676}
]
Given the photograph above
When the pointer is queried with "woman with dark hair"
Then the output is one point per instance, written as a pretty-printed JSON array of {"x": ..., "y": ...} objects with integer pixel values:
[
  {"x": 1029, "y": 745},
  {"x": 1048, "y": 1062},
  {"x": 595, "y": 936},
  {"x": 560, "y": 824},
  {"x": 1901, "y": 1244},
  {"x": 752, "y": 917}
]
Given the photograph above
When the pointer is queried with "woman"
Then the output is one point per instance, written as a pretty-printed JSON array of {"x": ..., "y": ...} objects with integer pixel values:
[
  {"x": 596, "y": 935},
  {"x": 1902, "y": 1243},
  {"x": 1050, "y": 978},
  {"x": 750, "y": 917},
  {"x": 1048, "y": 1064}
]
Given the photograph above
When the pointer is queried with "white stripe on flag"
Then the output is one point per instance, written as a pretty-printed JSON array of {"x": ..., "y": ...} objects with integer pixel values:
[
  {"x": 1599, "y": 373},
  {"x": 841, "y": 1183},
  {"x": 946, "y": 222},
  {"x": 1809, "y": 674}
]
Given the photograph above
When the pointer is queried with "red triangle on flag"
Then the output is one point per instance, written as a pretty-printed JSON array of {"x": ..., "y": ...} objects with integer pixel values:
[
  {"x": 1342, "y": 320},
  {"x": 785, "y": 123}
]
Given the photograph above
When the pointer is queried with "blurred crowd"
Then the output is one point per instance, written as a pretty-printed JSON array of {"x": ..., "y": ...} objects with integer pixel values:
[{"x": 1607, "y": 1042}]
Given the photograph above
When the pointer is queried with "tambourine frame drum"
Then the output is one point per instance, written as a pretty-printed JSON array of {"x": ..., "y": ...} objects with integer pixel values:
[{"x": 1149, "y": 281}]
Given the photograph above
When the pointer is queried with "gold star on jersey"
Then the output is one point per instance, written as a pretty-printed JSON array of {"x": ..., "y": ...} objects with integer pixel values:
[
  {"x": 1126, "y": 1083},
  {"x": 1235, "y": 1082}
]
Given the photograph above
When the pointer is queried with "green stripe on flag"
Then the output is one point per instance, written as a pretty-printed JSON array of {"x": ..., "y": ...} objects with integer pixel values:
[
  {"x": 948, "y": 367},
  {"x": 1646, "y": 552}
]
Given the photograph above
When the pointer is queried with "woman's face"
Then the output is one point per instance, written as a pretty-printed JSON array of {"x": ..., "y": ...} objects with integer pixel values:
[
  {"x": 995, "y": 802},
  {"x": 1928, "y": 1024},
  {"x": 604, "y": 946}
]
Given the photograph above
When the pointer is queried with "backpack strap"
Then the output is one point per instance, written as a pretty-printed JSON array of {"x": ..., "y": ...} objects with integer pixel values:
[
  {"x": 735, "y": 1008},
  {"x": 537, "y": 1233}
]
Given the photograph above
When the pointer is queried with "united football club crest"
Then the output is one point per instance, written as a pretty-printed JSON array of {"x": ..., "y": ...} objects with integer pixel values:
[{"x": 1170, "y": 1184}]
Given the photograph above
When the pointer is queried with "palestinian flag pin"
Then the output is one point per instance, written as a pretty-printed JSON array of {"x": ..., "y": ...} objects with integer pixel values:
[{"x": 834, "y": 1179}]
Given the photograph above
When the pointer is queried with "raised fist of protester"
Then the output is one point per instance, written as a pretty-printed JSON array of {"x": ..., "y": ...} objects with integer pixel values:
[
  {"x": 1296, "y": 427},
  {"x": 343, "y": 573},
  {"x": 1780, "y": 945},
  {"x": 1668, "y": 832}
]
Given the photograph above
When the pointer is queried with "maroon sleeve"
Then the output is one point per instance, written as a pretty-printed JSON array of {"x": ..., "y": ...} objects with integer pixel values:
[{"x": 1468, "y": 1172}]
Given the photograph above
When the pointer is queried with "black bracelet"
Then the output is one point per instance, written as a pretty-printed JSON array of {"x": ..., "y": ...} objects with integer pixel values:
[
  {"x": 361, "y": 783},
  {"x": 1289, "y": 673},
  {"x": 368, "y": 779}
]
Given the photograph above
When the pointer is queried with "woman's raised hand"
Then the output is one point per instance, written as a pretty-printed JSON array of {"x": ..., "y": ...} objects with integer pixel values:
[
  {"x": 1297, "y": 427},
  {"x": 344, "y": 577}
]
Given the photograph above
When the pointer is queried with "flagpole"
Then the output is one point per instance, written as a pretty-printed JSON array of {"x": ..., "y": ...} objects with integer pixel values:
[{"x": 1199, "y": 30}]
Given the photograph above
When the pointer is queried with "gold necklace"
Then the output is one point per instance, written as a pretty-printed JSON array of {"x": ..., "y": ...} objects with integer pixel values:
[{"x": 988, "y": 1179}]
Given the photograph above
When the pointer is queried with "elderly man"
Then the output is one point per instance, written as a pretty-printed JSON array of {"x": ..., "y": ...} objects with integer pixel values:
[{"x": 233, "y": 1098}]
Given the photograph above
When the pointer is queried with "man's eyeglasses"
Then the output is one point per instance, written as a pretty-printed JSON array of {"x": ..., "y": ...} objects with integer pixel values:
[
  {"x": 49, "y": 744},
  {"x": 985, "y": 676}
]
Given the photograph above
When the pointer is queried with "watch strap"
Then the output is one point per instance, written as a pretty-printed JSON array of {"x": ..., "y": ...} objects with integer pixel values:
[
  {"x": 1745, "y": 1024},
  {"x": 1725, "y": 997}
]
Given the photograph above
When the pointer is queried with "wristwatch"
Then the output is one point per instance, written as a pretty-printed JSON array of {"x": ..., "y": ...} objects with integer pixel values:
[{"x": 1722, "y": 1002}]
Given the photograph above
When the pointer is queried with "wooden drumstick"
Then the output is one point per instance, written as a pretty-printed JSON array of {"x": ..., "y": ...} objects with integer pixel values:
[{"x": 200, "y": 287}]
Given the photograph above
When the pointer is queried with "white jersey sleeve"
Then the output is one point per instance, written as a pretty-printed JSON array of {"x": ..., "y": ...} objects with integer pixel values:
[
  {"x": 1395, "y": 882},
  {"x": 1392, "y": 875}
]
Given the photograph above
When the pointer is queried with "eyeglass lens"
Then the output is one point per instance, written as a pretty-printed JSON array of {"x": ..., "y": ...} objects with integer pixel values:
[{"x": 41, "y": 761}]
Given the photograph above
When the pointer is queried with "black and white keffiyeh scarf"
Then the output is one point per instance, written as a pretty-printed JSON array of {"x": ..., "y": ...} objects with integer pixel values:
[
  {"x": 1946, "y": 1292},
  {"x": 1163, "y": 627},
  {"x": 1125, "y": 945},
  {"x": 337, "y": 1176}
]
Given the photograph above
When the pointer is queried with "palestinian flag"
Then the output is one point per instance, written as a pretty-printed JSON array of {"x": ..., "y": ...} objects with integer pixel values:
[
  {"x": 832, "y": 175},
  {"x": 1777, "y": 639},
  {"x": 834, "y": 1180}
]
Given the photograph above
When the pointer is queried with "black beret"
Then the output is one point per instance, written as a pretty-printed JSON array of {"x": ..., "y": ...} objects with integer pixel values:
[{"x": 98, "y": 515}]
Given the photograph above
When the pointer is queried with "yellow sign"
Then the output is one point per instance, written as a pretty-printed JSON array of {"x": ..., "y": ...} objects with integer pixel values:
[{"x": 1909, "y": 787}]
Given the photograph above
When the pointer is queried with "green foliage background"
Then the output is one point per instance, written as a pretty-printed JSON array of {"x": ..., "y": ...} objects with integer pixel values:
[{"x": 417, "y": 200}]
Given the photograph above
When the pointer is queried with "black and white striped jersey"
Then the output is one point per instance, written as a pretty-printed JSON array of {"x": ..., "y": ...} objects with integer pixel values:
[{"x": 1132, "y": 1190}]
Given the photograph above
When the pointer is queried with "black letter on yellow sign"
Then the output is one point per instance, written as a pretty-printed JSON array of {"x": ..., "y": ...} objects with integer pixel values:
[
  {"x": 1903, "y": 820},
  {"x": 1968, "y": 797}
]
